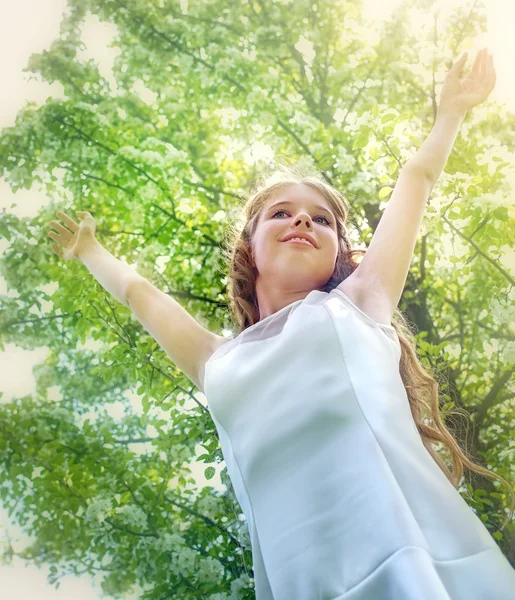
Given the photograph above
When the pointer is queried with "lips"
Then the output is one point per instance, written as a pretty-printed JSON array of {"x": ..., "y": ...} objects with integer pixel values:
[
  {"x": 302, "y": 242},
  {"x": 300, "y": 235}
]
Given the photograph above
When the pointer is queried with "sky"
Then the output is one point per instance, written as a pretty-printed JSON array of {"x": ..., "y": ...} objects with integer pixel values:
[{"x": 29, "y": 26}]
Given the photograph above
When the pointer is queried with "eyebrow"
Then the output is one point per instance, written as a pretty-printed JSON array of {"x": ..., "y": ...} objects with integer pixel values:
[{"x": 318, "y": 207}]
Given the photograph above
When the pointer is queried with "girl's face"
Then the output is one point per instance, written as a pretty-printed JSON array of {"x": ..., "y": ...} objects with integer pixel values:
[{"x": 289, "y": 271}]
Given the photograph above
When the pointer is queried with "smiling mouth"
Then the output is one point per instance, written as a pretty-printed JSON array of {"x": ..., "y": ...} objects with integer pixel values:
[{"x": 300, "y": 241}]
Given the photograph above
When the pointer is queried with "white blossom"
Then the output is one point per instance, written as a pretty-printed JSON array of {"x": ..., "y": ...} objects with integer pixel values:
[{"x": 98, "y": 511}]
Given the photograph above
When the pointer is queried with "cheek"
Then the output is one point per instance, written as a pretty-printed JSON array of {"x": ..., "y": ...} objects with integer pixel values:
[{"x": 268, "y": 233}]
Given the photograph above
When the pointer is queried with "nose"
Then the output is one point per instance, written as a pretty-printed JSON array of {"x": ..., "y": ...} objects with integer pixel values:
[{"x": 299, "y": 220}]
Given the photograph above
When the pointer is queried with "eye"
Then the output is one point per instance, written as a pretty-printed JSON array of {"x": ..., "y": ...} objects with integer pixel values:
[{"x": 317, "y": 217}]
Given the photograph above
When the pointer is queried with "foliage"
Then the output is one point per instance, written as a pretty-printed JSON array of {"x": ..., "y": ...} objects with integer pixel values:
[{"x": 160, "y": 176}]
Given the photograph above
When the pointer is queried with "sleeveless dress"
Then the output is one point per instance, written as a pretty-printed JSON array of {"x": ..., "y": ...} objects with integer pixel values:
[{"x": 342, "y": 499}]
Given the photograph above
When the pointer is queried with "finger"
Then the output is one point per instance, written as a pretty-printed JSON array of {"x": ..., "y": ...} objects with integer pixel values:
[
  {"x": 58, "y": 238},
  {"x": 477, "y": 64},
  {"x": 484, "y": 64},
  {"x": 84, "y": 214},
  {"x": 59, "y": 228},
  {"x": 458, "y": 65},
  {"x": 489, "y": 67},
  {"x": 461, "y": 61},
  {"x": 57, "y": 250},
  {"x": 481, "y": 69},
  {"x": 67, "y": 220},
  {"x": 492, "y": 77}
]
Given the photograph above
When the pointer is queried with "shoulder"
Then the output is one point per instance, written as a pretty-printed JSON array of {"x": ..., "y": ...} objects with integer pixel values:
[{"x": 216, "y": 342}]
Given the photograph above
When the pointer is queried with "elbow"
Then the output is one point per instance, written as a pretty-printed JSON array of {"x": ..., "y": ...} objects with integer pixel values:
[
  {"x": 421, "y": 170},
  {"x": 132, "y": 287}
]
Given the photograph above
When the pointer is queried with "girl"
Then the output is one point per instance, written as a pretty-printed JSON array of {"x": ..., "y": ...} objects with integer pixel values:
[{"x": 320, "y": 401}]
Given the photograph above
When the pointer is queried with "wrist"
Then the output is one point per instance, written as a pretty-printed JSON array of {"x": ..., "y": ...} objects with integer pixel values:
[
  {"x": 88, "y": 243},
  {"x": 454, "y": 114}
]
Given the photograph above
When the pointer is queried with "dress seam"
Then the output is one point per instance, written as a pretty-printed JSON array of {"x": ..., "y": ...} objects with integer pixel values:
[
  {"x": 251, "y": 508},
  {"x": 370, "y": 428},
  {"x": 398, "y": 551}
]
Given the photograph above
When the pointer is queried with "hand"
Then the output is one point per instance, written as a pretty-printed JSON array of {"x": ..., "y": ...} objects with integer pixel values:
[
  {"x": 460, "y": 96},
  {"x": 74, "y": 238}
]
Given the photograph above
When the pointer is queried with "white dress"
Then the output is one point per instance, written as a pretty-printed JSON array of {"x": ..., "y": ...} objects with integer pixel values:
[{"x": 342, "y": 499}]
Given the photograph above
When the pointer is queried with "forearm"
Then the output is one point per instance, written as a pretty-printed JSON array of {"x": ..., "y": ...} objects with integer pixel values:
[
  {"x": 112, "y": 274},
  {"x": 433, "y": 154}
]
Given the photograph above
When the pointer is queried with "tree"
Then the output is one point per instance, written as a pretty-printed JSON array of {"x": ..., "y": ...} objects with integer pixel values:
[{"x": 160, "y": 177}]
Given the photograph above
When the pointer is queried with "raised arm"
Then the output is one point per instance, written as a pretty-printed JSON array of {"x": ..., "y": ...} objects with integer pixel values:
[{"x": 184, "y": 340}]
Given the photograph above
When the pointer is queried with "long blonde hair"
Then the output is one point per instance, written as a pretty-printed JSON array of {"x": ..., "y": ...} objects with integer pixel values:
[{"x": 422, "y": 388}]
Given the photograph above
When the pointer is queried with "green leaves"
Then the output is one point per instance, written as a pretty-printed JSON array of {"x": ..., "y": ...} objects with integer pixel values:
[
  {"x": 209, "y": 472},
  {"x": 145, "y": 402},
  {"x": 388, "y": 117},
  {"x": 361, "y": 141},
  {"x": 385, "y": 191}
]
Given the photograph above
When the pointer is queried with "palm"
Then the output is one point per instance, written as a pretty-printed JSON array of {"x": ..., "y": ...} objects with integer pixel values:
[
  {"x": 474, "y": 89},
  {"x": 69, "y": 238}
]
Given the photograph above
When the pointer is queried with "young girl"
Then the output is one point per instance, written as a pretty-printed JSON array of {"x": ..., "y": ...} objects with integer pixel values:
[{"x": 320, "y": 401}]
